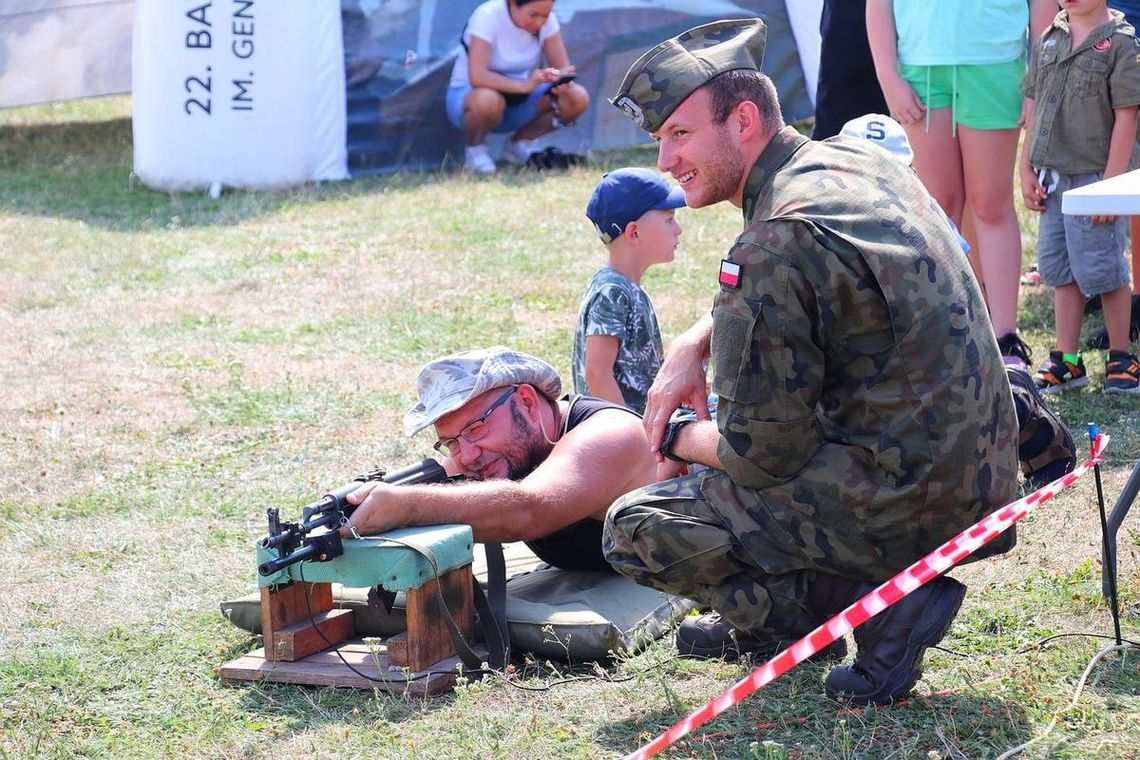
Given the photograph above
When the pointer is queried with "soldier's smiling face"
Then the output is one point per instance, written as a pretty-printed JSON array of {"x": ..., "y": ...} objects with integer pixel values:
[{"x": 702, "y": 156}]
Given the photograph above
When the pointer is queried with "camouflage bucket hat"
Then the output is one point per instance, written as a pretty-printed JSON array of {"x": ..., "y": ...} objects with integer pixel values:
[
  {"x": 446, "y": 384},
  {"x": 660, "y": 80}
]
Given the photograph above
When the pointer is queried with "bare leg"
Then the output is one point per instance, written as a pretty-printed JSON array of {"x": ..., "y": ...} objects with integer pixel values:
[
  {"x": 938, "y": 162},
  {"x": 971, "y": 236},
  {"x": 988, "y": 162},
  {"x": 482, "y": 112},
  {"x": 1134, "y": 233},
  {"x": 1069, "y": 303},
  {"x": 1117, "y": 306}
]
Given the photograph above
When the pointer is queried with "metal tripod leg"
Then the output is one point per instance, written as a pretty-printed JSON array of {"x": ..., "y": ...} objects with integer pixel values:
[{"x": 1119, "y": 510}]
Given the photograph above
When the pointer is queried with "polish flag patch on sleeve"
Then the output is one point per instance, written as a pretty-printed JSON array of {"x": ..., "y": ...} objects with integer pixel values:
[{"x": 729, "y": 274}]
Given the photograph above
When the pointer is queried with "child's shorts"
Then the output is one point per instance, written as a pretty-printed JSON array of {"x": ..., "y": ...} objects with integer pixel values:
[
  {"x": 520, "y": 111},
  {"x": 982, "y": 96},
  {"x": 1071, "y": 248}
]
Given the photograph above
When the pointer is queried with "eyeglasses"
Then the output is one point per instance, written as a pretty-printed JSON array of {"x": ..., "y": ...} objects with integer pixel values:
[{"x": 473, "y": 430}]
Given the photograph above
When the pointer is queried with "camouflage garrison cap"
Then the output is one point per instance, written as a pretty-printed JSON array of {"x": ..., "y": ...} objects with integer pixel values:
[
  {"x": 446, "y": 384},
  {"x": 661, "y": 79}
]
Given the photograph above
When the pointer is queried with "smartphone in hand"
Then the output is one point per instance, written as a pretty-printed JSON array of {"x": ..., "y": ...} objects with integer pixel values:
[{"x": 563, "y": 80}]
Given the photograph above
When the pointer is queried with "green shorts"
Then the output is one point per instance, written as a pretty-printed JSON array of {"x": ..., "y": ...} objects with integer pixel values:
[{"x": 985, "y": 96}]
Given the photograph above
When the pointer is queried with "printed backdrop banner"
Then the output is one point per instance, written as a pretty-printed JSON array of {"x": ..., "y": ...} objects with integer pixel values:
[
  {"x": 237, "y": 93},
  {"x": 253, "y": 94},
  {"x": 52, "y": 50},
  {"x": 399, "y": 55}
]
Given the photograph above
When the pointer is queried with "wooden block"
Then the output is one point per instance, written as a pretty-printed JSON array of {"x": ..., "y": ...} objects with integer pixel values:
[
  {"x": 286, "y": 605},
  {"x": 294, "y": 642},
  {"x": 427, "y": 641}
]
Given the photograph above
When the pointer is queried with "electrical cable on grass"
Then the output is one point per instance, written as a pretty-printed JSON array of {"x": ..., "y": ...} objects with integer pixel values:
[
  {"x": 482, "y": 671},
  {"x": 1088, "y": 634},
  {"x": 334, "y": 648},
  {"x": 509, "y": 681},
  {"x": 1076, "y": 695}
]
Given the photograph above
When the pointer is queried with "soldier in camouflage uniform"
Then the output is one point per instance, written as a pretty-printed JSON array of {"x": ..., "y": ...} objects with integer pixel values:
[
  {"x": 501, "y": 419},
  {"x": 864, "y": 415}
]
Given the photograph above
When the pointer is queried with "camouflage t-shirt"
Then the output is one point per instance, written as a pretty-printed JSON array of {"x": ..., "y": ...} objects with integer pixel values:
[
  {"x": 615, "y": 305},
  {"x": 853, "y": 355}
]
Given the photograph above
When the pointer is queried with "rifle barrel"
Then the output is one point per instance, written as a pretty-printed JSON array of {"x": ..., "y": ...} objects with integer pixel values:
[{"x": 329, "y": 511}]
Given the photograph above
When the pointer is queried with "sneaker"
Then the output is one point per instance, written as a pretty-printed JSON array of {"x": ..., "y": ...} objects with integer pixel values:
[
  {"x": 710, "y": 637},
  {"x": 477, "y": 160},
  {"x": 1044, "y": 446},
  {"x": 1058, "y": 375},
  {"x": 1014, "y": 351},
  {"x": 1099, "y": 337},
  {"x": 1121, "y": 373},
  {"x": 518, "y": 151},
  {"x": 888, "y": 661}
]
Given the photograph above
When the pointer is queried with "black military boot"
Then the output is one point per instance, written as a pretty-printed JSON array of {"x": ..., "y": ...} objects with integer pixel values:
[
  {"x": 710, "y": 637},
  {"x": 888, "y": 661}
]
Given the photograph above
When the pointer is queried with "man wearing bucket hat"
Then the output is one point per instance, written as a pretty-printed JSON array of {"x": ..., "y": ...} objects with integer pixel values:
[
  {"x": 864, "y": 414},
  {"x": 544, "y": 459}
]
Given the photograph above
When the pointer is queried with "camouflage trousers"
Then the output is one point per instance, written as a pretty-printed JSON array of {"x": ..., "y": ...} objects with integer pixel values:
[{"x": 740, "y": 551}]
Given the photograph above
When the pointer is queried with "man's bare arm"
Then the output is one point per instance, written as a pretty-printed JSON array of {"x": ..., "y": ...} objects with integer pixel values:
[
  {"x": 602, "y": 458},
  {"x": 601, "y": 355}
]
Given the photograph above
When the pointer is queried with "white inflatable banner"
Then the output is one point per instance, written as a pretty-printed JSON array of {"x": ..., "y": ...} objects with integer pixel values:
[{"x": 237, "y": 93}]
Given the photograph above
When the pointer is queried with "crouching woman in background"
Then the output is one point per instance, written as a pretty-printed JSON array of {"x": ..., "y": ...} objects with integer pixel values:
[{"x": 498, "y": 85}]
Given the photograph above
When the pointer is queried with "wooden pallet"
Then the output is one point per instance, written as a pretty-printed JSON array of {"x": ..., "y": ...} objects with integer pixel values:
[{"x": 326, "y": 668}]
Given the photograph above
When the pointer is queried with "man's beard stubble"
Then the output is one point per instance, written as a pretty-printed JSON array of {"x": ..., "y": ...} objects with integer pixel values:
[
  {"x": 531, "y": 451},
  {"x": 722, "y": 172}
]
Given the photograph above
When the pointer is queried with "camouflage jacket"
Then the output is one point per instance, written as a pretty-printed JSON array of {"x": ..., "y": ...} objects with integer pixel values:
[{"x": 855, "y": 361}]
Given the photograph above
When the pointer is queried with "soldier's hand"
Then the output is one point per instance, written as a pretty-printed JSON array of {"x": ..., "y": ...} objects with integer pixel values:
[{"x": 681, "y": 380}]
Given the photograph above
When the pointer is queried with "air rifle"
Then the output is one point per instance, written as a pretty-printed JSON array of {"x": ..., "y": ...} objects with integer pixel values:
[{"x": 297, "y": 542}]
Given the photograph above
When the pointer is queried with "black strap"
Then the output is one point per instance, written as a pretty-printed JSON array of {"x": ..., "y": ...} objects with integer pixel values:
[
  {"x": 492, "y": 616},
  {"x": 493, "y": 620}
]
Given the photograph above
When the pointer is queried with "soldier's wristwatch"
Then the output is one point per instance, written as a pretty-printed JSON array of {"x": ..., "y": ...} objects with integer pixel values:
[{"x": 672, "y": 428}]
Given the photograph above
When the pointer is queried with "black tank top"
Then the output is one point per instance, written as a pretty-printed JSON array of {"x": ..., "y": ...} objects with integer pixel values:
[{"x": 577, "y": 546}]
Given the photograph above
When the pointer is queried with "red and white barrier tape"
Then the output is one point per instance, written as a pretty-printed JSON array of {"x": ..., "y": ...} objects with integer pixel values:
[{"x": 926, "y": 569}]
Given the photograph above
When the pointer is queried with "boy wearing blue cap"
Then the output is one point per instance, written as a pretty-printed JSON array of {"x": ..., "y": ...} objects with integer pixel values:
[{"x": 617, "y": 343}]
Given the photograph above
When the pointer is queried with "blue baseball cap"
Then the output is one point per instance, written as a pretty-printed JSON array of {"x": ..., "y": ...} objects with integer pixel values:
[{"x": 623, "y": 195}]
